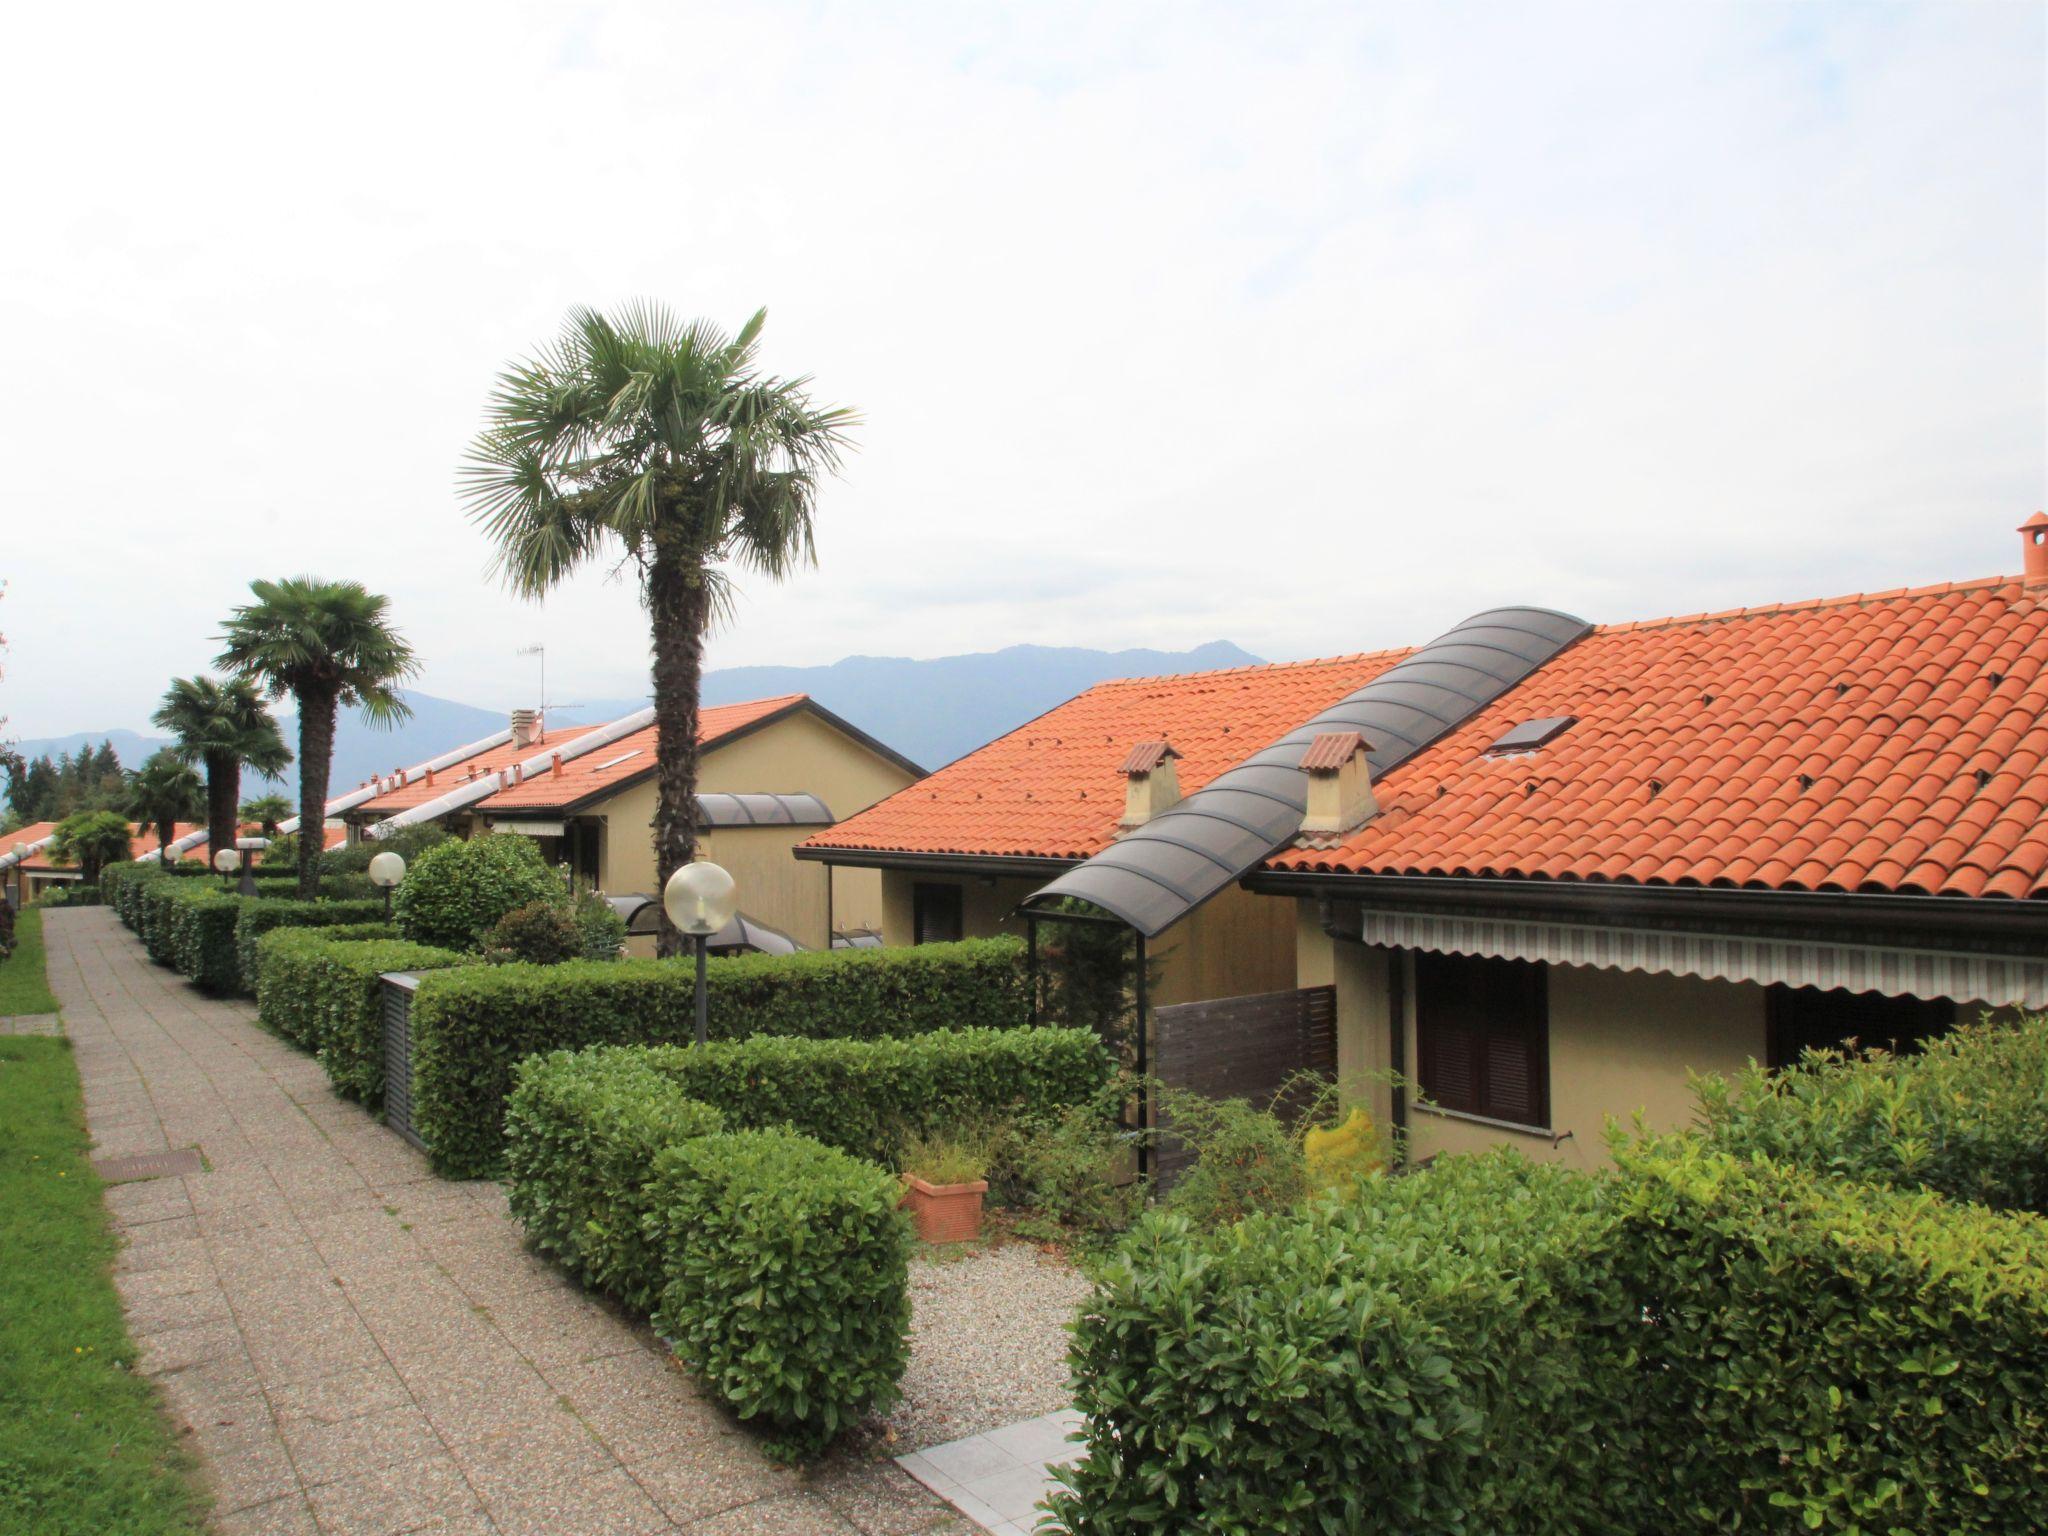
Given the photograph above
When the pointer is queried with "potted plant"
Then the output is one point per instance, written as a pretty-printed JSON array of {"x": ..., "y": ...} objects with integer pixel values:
[{"x": 944, "y": 1178}]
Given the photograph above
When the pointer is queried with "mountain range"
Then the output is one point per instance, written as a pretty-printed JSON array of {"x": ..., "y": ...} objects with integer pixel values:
[{"x": 932, "y": 710}]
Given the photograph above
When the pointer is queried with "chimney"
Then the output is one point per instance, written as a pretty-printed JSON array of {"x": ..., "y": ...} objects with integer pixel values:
[
  {"x": 2034, "y": 531},
  {"x": 1151, "y": 783},
  {"x": 525, "y": 727},
  {"x": 1340, "y": 793}
]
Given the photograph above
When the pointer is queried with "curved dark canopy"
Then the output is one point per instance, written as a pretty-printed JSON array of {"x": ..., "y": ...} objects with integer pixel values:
[{"x": 1163, "y": 870}]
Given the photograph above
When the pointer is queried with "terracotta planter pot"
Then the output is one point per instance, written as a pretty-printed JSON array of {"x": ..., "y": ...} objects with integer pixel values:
[{"x": 945, "y": 1213}]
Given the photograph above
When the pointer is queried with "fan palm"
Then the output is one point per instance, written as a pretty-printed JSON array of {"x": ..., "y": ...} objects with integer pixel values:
[
  {"x": 326, "y": 644},
  {"x": 163, "y": 792},
  {"x": 665, "y": 440},
  {"x": 266, "y": 811},
  {"x": 91, "y": 840},
  {"x": 223, "y": 726}
]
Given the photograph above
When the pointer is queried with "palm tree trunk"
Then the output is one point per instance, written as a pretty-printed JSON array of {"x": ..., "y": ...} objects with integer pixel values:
[
  {"x": 675, "y": 595},
  {"x": 223, "y": 798},
  {"x": 316, "y": 758},
  {"x": 166, "y": 834}
]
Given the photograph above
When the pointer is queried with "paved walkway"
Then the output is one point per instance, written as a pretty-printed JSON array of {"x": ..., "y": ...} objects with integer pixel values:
[{"x": 359, "y": 1347}]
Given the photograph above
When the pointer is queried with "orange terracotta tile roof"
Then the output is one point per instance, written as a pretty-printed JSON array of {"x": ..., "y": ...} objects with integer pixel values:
[
  {"x": 1891, "y": 742},
  {"x": 424, "y": 788},
  {"x": 618, "y": 763},
  {"x": 1054, "y": 788},
  {"x": 142, "y": 841}
]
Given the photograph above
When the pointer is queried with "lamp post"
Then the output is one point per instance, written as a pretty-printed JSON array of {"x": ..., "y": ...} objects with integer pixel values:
[
  {"x": 386, "y": 870},
  {"x": 700, "y": 900},
  {"x": 227, "y": 861}
]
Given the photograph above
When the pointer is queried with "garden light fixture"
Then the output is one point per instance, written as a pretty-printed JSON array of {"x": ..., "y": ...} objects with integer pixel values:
[
  {"x": 386, "y": 870},
  {"x": 700, "y": 899}
]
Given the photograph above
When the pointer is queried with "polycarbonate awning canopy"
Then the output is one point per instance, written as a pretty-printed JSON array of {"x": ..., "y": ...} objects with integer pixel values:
[{"x": 1164, "y": 869}]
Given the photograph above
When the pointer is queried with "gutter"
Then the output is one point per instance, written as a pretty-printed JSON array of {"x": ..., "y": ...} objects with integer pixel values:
[
  {"x": 1986, "y": 922},
  {"x": 1033, "y": 866},
  {"x": 489, "y": 784}
]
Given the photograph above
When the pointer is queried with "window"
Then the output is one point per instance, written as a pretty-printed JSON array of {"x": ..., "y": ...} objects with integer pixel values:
[
  {"x": 935, "y": 914},
  {"x": 1802, "y": 1018},
  {"x": 1483, "y": 1037}
]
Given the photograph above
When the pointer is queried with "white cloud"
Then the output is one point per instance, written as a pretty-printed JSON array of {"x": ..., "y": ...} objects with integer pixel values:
[{"x": 1315, "y": 327}]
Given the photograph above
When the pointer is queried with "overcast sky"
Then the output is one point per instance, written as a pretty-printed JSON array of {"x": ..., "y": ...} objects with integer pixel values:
[{"x": 1310, "y": 327}]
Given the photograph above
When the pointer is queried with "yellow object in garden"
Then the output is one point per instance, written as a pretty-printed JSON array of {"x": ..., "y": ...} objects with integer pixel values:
[{"x": 1343, "y": 1155}]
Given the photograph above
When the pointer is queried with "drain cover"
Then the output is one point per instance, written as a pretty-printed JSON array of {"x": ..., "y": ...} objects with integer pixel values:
[{"x": 150, "y": 1165}]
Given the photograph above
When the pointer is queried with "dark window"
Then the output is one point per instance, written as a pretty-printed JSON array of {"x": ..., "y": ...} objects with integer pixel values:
[
  {"x": 1483, "y": 1036},
  {"x": 1803, "y": 1019},
  {"x": 935, "y": 914}
]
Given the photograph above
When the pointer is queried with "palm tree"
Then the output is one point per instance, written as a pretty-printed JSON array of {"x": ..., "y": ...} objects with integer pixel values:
[
  {"x": 163, "y": 792},
  {"x": 91, "y": 840},
  {"x": 267, "y": 811},
  {"x": 669, "y": 440},
  {"x": 325, "y": 643},
  {"x": 222, "y": 726}
]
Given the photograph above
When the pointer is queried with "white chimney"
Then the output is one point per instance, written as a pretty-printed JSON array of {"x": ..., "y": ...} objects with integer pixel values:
[
  {"x": 1151, "y": 783},
  {"x": 1340, "y": 793},
  {"x": 526, "y": 727}
]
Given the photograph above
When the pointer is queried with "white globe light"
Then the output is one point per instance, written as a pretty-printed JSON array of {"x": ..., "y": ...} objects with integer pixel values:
[
  {"x": 700, "y": 899},
  {"x": 227, "y": 861},
  {"x": 387, "y": 869}
]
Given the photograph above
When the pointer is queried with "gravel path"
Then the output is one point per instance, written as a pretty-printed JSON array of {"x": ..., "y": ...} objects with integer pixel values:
[{"x": 988, "y": 1343}]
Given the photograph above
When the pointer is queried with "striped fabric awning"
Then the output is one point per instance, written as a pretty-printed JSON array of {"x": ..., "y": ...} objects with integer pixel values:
[{"x": 1994, "y": 980}]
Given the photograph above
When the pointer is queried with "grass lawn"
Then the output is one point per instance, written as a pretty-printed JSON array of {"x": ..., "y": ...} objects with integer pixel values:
[
  {"x": 83, "y": 1447},
  {"x": 23, "y": 986}
]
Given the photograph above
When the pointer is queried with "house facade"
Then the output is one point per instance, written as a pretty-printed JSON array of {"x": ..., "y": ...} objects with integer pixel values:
[
  {"x": 771, "y": 772},
  {"x": 1572, "y": 865}
]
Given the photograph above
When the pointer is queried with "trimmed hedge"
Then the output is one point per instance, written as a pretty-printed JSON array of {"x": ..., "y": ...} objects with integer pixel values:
[
  {"x": 1433, "y": 1355},
  {"x": 323, "y": 993},
  {"x": 260, "y": 915},
  {"x": 470, "y": 1029},
  {"x": 1967, "y": 1115},
  {"x": 788, "y": 1280},
  {"x": 455, "y": 892},
  {"x": 1831, "y": 1356},
  {"x": 582, "y": 1129}
]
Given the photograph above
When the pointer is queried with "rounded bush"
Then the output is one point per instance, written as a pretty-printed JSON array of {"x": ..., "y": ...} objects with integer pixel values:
[
  {"x": 539, "y": 933},
  {"x": 458, "y": 890}
]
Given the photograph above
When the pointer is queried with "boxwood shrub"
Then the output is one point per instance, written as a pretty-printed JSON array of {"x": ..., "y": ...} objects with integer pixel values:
[
  {"x": 1832, "y": 1356},
  {"x": 323, "y": 993},
  {"x": 259, "y": 915},
  {"x": 472, "y": 1027},
  {"x": 582, "y": 1129},
  {"x": 788, "y": 1287},
  {"x": 1966, "y": 1115},
  {"x": 1446, "y": 1352},
  {"x": 457, "y": 890}
]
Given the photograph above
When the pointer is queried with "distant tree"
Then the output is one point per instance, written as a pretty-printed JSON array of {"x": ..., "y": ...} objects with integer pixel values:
[
  {"x": 267, "y": 811},
  {"x": 638, "y": 431},
  {"x": 91, "y": 840},
  {"x": 326, "y": 644},
  {"x": 223, "y": 727},
  {"x": 163, "y": 792}
]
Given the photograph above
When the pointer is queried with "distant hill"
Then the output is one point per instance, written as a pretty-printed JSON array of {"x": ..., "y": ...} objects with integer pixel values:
[{"x": 931, "y": 710}]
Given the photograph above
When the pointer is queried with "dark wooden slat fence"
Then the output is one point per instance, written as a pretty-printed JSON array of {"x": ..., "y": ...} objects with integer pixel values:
[{"x": 1239, "y": 1048}]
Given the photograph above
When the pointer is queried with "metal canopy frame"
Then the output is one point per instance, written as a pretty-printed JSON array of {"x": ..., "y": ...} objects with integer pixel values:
[
  {"x": 1163, "y": 870},
  {"x": 1032, "y": 918}
]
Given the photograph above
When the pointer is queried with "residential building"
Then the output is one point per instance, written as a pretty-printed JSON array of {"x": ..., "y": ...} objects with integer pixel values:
[{"x": 770, "y": 773}]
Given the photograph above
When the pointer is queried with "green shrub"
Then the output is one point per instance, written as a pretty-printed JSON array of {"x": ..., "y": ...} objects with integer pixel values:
[
  {"x": 260, "y": 915},
  {"x": 471, "y": 1028},
  {"x": 539, "y": 933},
  {"x": 1440, "y": 1354},
  {"x": 788, "y": 1291},
  {"x": 6, "y": 928},
  {"x": 190, "y": 926},
  {"x": 1074, "y": 1167},
  {"x": 1967, "y": 1115},
  {"x": 582, "y": 1129},
  {"x": 1246, "y": 1160},
  {"x": 407, "y": 842},
  {"x": 323, "y": 993},
  {"x": 455, "y": 891},
  {"x": 1831, "y": 1356},
  {"x": 79, "y": 895},
  {"x": 333, "y": 887},
  {"x": 601, "y": 932}
]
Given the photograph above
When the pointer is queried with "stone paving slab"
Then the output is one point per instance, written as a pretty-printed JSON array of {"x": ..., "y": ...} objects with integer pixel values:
[
  {"x": 359, "y": 1348},
  {"x": 31, "y": 1024},
  {"x": 999, "y": 1478}
]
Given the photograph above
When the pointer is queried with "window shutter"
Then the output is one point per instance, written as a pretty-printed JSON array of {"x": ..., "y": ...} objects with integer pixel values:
[{"x": 1450, "y": 1066}]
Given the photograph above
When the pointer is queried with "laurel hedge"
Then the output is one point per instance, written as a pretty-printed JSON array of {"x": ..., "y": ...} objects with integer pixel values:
[
  {"x": 324, "y": 993},
  {"x": 472, "y": 1027}
]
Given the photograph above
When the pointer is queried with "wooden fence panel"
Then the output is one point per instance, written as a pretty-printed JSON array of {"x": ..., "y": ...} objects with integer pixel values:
[{"x": 1239, "y": 1048}]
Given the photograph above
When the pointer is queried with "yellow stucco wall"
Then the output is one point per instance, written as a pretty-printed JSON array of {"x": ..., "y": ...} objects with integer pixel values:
[
  {"x": 1235, "y": 944},
  {"x": 1620, "y": 1042},
  {"x": 798, "y": 754}
]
